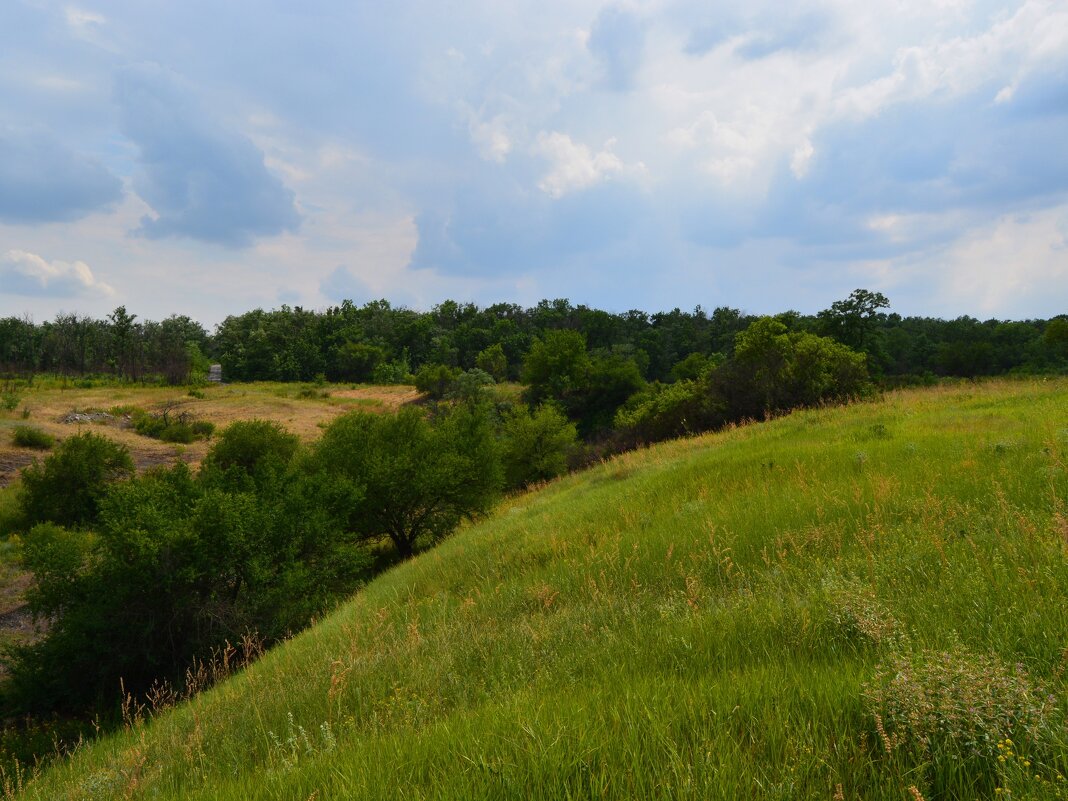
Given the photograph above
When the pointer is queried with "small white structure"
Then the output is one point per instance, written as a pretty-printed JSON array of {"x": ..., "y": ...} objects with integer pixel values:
[{"x": 215, "y": 373}]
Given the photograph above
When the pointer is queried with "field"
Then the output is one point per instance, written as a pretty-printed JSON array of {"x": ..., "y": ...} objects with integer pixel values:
[
  {"x": 301, "y": 408},
  {"x": 862, "y": 602}
]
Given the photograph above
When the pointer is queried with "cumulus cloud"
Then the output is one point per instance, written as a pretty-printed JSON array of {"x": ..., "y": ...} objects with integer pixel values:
[
  {"x": 573, "y": 166},
  {"x": 42, "y": 180},
  {"x": 203, "y": 181},
  {"x": 23, "y": 273}
]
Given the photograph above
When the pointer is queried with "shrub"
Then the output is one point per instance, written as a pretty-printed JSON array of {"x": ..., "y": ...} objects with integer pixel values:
[
  {"x": 30, "y": 437},
  {"x": 662, "y": 411},
  {"x": 176, "y": 568},
  {"x": 493, "y": 361},
  {"x": 249, "y": 452},
  {"x": 419, "y": 479},
  {"x": 180, "y": 427},
  {"x": 9, "y": 401},
  {"x": 68, "y": 487},
  {"x": 470, "y": 386},
  {"x": 435, "y": 379},
  {"x": 536, "y": 447}
]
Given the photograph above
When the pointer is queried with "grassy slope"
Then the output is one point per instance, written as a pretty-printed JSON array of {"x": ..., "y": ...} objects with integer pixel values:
[{"x": 680, "y": 622}]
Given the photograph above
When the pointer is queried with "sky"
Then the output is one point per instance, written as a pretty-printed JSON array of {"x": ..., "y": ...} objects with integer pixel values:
[{"x": 207, "y": 158}]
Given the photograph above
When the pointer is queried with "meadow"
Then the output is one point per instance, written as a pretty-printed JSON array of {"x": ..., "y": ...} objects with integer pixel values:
[
  {"x": 301, "y": 408},
  {"x": 858, "y": 602}
]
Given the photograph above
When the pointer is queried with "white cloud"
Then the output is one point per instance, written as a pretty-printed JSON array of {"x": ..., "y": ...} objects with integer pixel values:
[
  {"x": 573, "y": 166},
  {"x": 1016, "y": 46},
  {"x": 24, "y": 273}
]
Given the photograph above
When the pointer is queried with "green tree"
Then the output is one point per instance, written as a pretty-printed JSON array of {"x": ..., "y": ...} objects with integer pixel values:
[
  {"x": 419, "y": 478},
  {"x": 774, "y": 369},
  {"x": 536, "y": 446},
  {"x": 556, "y": 366},
  {"x": 357, "y": 361},
  {"x": 493, "y": 361}
]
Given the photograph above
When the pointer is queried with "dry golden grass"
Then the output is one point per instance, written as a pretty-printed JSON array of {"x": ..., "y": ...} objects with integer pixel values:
[{"x": 221, "y": 405}]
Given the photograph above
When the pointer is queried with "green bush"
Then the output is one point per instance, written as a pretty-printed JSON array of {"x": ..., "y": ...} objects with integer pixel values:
[
  {"x": 176, "y": 568},
  {"x": 30, "y": 437},
  {"x": 9, "y": 401},
  {"x": 662, "y": 411},
  {"x": 435, "y": 379},
  {"x": 250, "y": 453},
  {"x": 68, "y": 487},
  {"x": 536, "y": 447},
  {"x": 180, "y": 429}
]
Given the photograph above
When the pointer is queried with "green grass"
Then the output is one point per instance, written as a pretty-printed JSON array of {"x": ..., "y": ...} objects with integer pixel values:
[{"x": 698, "y": 620}]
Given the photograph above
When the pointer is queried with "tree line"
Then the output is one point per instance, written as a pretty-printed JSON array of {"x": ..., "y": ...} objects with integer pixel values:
[{"x": 381, "y": 343}]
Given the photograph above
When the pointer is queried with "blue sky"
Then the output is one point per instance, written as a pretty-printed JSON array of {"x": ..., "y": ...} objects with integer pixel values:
[{"x": 206, "y": 158}]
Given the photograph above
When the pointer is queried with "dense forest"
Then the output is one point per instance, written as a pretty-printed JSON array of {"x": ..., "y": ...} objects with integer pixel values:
[{"x": 380, "y": 343}]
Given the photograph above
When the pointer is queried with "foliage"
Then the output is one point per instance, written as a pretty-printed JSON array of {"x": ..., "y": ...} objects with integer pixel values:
[
  {"x": 536, "y": 446},
  {"x": 556, "y": 367},
  {"x": 357, "y": 361},
  {"x": 250, "y": 453},
  {"x": 435, "y": 379},
  {"x": 775, "y": 370},
  {"x": 68, "y": 487},
  {"x": 662, "y": 411},
  {"x": 172, "y": 426},
  {"x": 494, "y": 361},
  {"x": 955, "y": 710},
  {"x": 30, "y": 437},
  {"x": 177, "y": 566},
  {"x": 470, "y": 386},
  {"x": 419, "y": 479}
]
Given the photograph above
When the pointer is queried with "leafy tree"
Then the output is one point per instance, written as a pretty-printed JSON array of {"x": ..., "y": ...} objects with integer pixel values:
[
  {"x": 556, "y": 366},
  {"x": 419, "y": 478},
  {"x": 357, "y": 361},
  {"x": 536, "y": 446},
  {"x": 435, "y": 379},
  {"x": 776, "y": 370},
  {"x": 68, "y": 487},
  {"x": 662, "y": 411},
  {"x": 494, "y": 361},
  {"x": 176, "y": 567}
]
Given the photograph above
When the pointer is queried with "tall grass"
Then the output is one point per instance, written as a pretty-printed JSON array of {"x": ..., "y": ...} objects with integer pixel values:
[{"x": 721, "y": 617}]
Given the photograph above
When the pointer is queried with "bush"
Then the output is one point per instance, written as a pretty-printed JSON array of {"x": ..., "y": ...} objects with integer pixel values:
[
  {"x": 176, "y": 568},
  {"x": 470, "y": 386},
  {"x": 68, "y": 487},
  {"x": 250, "y": 453},
  {"x": 663, "y": 411},
  {"x": 419, "y": 479},
  {"x": 30, "y": 437},
  {"x": 180, "y": 428},
  {"x": 435, "y": 379},
  {"x": 493, "y": 360},
  {"x": 536, "y": 447}
]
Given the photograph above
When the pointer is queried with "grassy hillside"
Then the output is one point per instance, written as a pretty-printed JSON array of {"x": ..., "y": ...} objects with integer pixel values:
[{"x": 706, "y": 619}]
